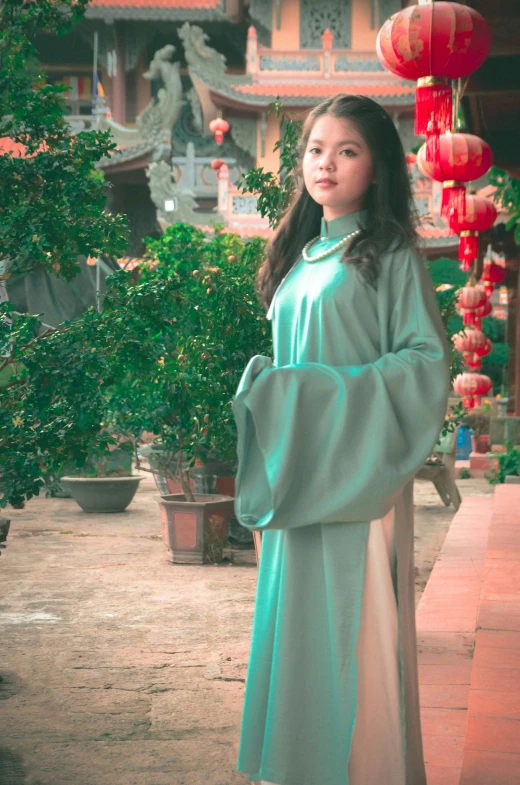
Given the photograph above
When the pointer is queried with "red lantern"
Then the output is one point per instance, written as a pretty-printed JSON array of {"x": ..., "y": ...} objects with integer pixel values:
[
  {"x": 461, "y": 158},
  {"x": 479, "y": 216},
  {"x": 216, "y": 164},
  {"x": 471, "y": 297},
  {"x": 433, "y": 43},
  {"x": 472, "y": 386},
  {"x": 491, "y": 275},
  {"x": 219, "y": 127},
  {"x": 471, "y": 341}
]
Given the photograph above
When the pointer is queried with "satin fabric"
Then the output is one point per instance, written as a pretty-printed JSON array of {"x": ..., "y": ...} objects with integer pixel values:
[{"x": 330, "y": 435}]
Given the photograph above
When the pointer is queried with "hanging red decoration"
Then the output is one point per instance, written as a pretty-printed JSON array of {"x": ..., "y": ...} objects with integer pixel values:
[
  {"x": 491, "y": 275},
  {"x": 472, "y": 386},
  {"x": 461, "y": 158},
  {"x": 479, "y": 216},
  {"x": 433, "y": 43},
  {"x": 219, "y": 127},
  {"x": 471, "y": 341},
  {"x": 481, "y": 313},
  {"x": 471, "y": 297}
]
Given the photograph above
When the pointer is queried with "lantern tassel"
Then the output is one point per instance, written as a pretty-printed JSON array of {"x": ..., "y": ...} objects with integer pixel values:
[
  {"x": 433, "y": 106},
  {"x": 468, "y": 248},
  {"x": 453, "y": 205}
]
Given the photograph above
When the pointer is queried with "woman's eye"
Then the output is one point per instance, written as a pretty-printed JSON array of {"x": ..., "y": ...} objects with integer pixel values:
[
  {"x": 314, "y": 150},
  {"x": 348, "y": 152}
]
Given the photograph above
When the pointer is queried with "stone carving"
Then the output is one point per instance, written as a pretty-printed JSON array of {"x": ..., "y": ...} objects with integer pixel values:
[
  {"x": 315, "y": 18},
  {"x": 243, "y": 133},
  {"x": 196, "y": 108},
  {"x": 157, "y": 119},
  {"x": 198, "y": 54},
  {"x": 163, "y": 189}
]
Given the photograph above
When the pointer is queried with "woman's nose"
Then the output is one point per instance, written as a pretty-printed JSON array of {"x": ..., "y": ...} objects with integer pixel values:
[{"x": 326, "y": 161}]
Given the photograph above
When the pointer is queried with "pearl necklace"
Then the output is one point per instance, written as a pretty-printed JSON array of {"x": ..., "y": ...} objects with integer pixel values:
[{"x": 329, "y": 251}]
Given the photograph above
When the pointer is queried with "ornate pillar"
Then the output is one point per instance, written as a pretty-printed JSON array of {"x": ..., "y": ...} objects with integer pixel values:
[{"x": 118, "y": 80}]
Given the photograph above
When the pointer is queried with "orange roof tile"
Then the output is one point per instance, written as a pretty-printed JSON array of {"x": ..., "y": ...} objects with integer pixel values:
[
  {"x": 174, "y": 4},
  {"x": 318, "y": 89}
]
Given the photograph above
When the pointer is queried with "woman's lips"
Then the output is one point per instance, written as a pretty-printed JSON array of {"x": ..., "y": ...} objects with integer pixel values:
[{"x": 325, "y": 183}]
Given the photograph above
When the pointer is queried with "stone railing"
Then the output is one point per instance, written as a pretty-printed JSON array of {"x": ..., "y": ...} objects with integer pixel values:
[
  {"x": 326, "y": 62},
  {"x": 238, "y": 209}
]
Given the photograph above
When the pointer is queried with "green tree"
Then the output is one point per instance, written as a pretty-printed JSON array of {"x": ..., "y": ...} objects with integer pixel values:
[
  {"x": 508, "y": 194},
  {"x": 52, "y": 199},
  {"x": 164, "y": 357}
]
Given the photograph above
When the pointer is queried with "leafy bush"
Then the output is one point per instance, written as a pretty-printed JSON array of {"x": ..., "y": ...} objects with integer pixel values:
[
  {"x": 164, "y": 357},
  {"x": 508, "y": 463}
]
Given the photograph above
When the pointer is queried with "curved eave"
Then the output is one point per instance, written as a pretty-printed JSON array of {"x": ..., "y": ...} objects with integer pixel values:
[
  {"x": 112, "y": 13},
  {"x": 237, "y": 99}
]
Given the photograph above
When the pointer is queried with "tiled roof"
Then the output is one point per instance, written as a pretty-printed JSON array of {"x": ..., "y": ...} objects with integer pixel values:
[
  {"x": 304, "y": 92},
  {"x": 157, "y": 10},
  {"x": 319, "y": 89},
  {"x": 155, "y": 3}
]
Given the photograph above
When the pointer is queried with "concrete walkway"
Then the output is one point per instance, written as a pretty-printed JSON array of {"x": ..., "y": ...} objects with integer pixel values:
[{"x": 118, "y": 668}]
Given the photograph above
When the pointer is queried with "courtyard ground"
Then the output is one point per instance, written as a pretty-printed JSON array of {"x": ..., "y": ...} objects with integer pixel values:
[{"x": 119, "y": 668}]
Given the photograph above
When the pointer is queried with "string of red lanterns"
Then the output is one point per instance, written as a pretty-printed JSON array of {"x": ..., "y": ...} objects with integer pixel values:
[{"x": 433, "y": 43}]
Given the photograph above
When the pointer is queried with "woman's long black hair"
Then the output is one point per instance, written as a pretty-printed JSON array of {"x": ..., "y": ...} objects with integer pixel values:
[{"x": 391, "y": 214}]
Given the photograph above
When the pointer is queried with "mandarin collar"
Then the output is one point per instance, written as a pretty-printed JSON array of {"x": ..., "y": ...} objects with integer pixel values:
[{"x": 338, "y": 227}]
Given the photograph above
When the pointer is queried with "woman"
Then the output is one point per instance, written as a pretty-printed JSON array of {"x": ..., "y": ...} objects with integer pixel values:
[{"x": 329, "y": 438}]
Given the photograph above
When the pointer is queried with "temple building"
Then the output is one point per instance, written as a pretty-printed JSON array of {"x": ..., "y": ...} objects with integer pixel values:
[{"x": 168, "y": 68}]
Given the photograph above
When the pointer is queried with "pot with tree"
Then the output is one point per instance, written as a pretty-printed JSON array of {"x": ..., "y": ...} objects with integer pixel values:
[{"x": 219, "y": 326}]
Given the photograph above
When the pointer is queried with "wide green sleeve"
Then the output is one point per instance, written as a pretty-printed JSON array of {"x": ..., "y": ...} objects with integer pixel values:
[{"x": 322, "y": 444}]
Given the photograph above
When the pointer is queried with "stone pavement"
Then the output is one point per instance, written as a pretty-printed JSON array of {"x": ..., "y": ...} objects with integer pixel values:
[{"x": 119, "y": 668}]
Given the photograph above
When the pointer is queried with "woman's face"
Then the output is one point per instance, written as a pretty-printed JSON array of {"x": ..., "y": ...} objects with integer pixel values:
[{"x": 337, "y": 166}]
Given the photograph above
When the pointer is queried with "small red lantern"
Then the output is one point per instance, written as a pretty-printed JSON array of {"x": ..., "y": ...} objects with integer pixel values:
[
  {"x": 471, "y": 341},
  {"x": 219, "y": 127},
  {"x": 433, "y": 43},
  {"x": 472, "y": 386},
  {"x": 492, "y": 273},
  {"x": 471, "y": 297},
  {"x": 479, "y": 216},
  {"x": 461, "y": 158},
  {"x": 216, "y": 164}
]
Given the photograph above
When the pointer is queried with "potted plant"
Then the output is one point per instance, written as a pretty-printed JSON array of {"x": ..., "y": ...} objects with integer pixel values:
[
  {"x": 105, "y": 483},
  {"x": 220, "y": 326},
  {"x": 162, "y": 359}
]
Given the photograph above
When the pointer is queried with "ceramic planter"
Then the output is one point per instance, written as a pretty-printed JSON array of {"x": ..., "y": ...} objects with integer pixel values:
[
  {"x": 191, "y": 529},
  {"x": 102, "y": 494}
]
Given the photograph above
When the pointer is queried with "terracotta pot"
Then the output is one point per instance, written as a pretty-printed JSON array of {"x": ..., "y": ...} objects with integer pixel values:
[
  {"x": 483, "y": 443},
  {"x": 188, "y": 527}
]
